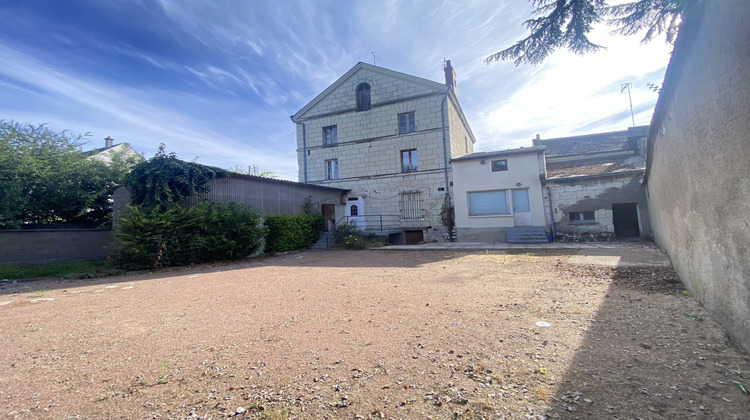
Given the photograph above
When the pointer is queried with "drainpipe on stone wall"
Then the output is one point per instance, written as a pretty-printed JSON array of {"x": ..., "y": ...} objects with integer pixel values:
[
  {"x": 551, "y": 214},
  {"x": 304, "y": 155},
  {"x": 445, "y": 163}
]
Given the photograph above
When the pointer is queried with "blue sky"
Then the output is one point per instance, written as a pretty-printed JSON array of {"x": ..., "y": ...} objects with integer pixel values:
[{"x": 218, "y": 80}]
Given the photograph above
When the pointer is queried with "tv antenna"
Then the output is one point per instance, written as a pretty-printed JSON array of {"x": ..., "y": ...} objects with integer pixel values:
[
  {"x": 374, "y": 59},
  {"x": 624, "y": 86}
]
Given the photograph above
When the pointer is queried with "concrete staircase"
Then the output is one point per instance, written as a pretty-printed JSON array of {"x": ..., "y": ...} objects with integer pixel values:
[
  {"x": 325, "y": 242},
  {"x": 526, "y": 235}
]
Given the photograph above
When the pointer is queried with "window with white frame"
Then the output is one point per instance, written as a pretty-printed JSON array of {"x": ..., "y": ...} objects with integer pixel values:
[
  {"x": 409, "y": 160},
  {"x": 406, "y": 123},
  {"x": 332, "y": 169},
  {"x": 411, "y": 206},
  {"x": 488, "y": 203},
  {"x": 330, "y": 135}
]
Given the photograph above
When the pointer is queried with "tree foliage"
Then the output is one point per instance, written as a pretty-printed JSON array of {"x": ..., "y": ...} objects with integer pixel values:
[
  {"x": 165, "y": 180},
  {"x": 45, "y": 179},
  {"x": 567, "y": 23}
]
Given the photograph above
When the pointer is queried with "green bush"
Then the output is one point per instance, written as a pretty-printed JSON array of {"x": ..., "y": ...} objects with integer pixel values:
[
  {"x": 345, "y": 231},
  {"x": 287, "y": 233},
  {"x": 210, "y": 231}
]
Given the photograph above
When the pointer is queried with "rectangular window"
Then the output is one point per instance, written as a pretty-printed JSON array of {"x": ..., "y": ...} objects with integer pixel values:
[
  {"x": 411, "y": 206},
  {"x": 330, "y": 137},
  {"x": 582, "y": 217},
  {"x": 406, "y": 123},
  {"x": 488, "y": 203},
  {"x": 499, "y": 165},
  {"x": 332, "y": 169},
  {"x": 409, "y": 160}
]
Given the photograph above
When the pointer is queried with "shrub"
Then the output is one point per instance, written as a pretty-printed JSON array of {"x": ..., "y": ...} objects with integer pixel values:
[
  {"x": 287, "y": 233},
  {"x": 209, "y": 231},
  {"x": 345, "y": 231}
]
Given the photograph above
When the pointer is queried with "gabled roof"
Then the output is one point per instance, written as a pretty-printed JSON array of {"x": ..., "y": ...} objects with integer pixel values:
[
  {"x": 592, "y": 143},
  {"x": 437, "y": 87},
  {"x": 499, "y": 153}
]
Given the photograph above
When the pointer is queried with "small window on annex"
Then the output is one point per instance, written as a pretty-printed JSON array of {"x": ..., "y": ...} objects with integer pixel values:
[
  {"x": 332, "y": 169},
  {"x": 406, "y": 123},
  {"x": 330, "y": 136},
  {"x": 499, "y": 165},
  {"x": 409, "y": 161},
  {"x": 363, "y": 97},
  {"x": 582, "y": 217}
]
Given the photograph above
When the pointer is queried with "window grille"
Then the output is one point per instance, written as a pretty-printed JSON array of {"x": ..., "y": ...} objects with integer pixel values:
[{"x": 411, "y": 206}]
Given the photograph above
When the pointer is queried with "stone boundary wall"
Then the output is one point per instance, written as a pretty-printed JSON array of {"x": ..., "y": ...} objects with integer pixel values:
[{"x": 46, "y": 246}]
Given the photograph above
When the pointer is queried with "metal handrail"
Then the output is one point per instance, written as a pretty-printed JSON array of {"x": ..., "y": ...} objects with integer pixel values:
[{"x": 373, "y": 221}]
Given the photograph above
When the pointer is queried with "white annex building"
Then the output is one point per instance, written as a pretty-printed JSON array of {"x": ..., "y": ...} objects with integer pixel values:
[{"x": 388, "y": 137}]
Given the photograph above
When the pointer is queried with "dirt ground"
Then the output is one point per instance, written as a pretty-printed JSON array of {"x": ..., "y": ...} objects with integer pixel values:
[{"x": 595, "y": 333}]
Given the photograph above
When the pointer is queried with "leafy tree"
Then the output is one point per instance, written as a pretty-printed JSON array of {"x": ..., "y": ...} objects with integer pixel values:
[
  {"x": 567, "y": 23},
  {"x": 44, "y": 178},
  {"x": 165, "y": 180}
]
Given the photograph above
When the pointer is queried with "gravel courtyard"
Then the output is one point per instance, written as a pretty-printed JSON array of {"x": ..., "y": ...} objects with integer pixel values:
[{"x": 605, "y": 332}]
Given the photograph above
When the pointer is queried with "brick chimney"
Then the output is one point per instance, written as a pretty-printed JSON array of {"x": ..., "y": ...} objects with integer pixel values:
[
  {"x": 450, "y": 75},
  {"x": 109, "y": 142}
]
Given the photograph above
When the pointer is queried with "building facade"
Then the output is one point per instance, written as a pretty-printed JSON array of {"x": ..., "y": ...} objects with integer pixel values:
[
  {"x": 496, "y": 191},
  {"x": 594, "y": 185},
  {"x": 387, "y": 137}
]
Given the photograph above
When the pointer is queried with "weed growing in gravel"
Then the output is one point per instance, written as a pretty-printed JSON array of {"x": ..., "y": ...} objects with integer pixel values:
[
  {"x": 164, "y": 376},
  {"x": 38, "y": 293},
  {"x": 282, "y": 414}
]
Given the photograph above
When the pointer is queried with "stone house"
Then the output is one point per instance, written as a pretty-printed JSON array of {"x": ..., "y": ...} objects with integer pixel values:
[
  {"x": 593, "y": 184},
  {"x": 387, "y": 137},
  {"x": 121, "y": 151},
  {"x": 497, "y": 192}
]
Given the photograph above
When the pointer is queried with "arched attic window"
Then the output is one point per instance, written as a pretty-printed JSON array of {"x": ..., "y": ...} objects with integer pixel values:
[{"x": 363, "y": 97}]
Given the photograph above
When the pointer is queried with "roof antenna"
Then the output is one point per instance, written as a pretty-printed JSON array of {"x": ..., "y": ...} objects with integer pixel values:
[
  {"x": 624, "y": 86},
  {"x": 374, "y": 62}
]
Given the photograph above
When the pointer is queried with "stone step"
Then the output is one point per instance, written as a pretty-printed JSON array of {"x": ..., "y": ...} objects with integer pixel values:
[
  {"x": 325, "y": 241},
  {"x": 526, "y": 235}
]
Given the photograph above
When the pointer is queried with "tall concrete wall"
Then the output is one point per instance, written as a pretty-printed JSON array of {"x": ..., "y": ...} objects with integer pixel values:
[{"x": 698, "y": 178}]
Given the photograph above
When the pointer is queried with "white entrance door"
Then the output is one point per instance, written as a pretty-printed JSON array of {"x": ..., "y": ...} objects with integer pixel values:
[
  {"x": 522, "y": 208},
  {"x": 355, "y": 211}
]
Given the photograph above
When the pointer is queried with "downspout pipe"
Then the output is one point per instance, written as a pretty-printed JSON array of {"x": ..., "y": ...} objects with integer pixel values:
[
  {"x": 445, "y": 161},
  {"x": 304, "y": 149},
  {"x": 304, "y": 154},
  {"x": 551, "y": 214}
]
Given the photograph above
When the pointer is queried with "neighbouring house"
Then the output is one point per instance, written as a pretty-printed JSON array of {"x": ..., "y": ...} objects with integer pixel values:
[
  {"x": 387, "y": 137},
  {"x": 593, "y": 185},
  {"x": 497, "y": 192},
  {"x": 698, "y": 176},
  {"x": 122, "y": 151}
]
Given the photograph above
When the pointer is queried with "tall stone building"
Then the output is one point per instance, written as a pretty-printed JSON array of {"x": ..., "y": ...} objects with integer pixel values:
[{"x": 388, "y": 137}]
